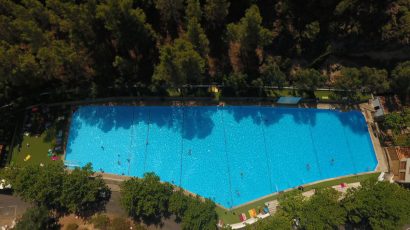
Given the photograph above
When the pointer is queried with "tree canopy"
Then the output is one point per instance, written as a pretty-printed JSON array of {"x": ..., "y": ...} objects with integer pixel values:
[
  {"x": 373, "y": 205},
  {"x": 401, "y": 79},
  {"x": 36, "y": 218},
  {"x": 179, "y": 64},
  {"x": 377, "y": 205},
  {"x": 70, "y": 50},
  {"x": 56, "y": 189},
  {"x": 309, "y": 79},
  {"x": 322, "y": 211},
  {"x": 199, "y": 215},
  {"x": 146, "y": 197}
]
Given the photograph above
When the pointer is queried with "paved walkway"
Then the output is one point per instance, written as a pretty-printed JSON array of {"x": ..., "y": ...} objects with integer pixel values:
[
  {"x": 382, "y": 165},
  {"x": 11, "y": 208}
]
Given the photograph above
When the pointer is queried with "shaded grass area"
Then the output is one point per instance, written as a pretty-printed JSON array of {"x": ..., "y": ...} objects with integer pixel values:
[
  {"x": 321, "y": 94},
  {"x": 232, "y": 216},
  {"x": 38, "y": 148},
  {"x": 402, "y": 139}
]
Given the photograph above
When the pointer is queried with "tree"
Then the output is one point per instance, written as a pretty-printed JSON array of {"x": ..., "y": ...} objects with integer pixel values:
[
  {"x": 394, "y": 121},
  {"x": 169, "y": 10},
  {"x": 292, "y": 204},
  {"x": 216, "y": 11},
  {"x": 374, "y": 80},
  {"x": 309, "y": 80},
  {"x": 41, "y": 185},
  {"x": 377, "y": 205},
  {"x": 197, "y": 37},
  {"x": 199, "y": 215},
  {"x": 271, "y": 73},
  {"x": 277, "y": 221},
  {"x": 51, "y": 186},
  {"x": 323, "y": 211},
  {"x": 179, "y": 64},
  {"x": 235, "y": 84},
  {"x": 349, "y": 81},
  {"x": 249, "y": 32},
  {"x": 101, "y": 222},
  {"x": 145, "y": 198},
  {"x": 178, "y": 204},
  {"x": 401, "y": 79},
  {"x": 36, "y": 218},
  {"x": 250, "y": 35},
  {"x": 131, "y": 37},
  {"x": 193, "y": 10},
  {"x": 62, "y": 61},
  {"x": 82, "y": 194},
  {"x": 397, "y": 28},
  {"x": 120, "y": 223},
  {"x": 311, "y": 31}
]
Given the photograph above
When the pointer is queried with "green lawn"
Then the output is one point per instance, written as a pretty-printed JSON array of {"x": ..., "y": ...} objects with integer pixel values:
[
  {"x": 318, "y": 93},
  {"x": 230, "y": 217},
  {"x": 38, "y": 148},
  {"x": 402, "y": 139}
]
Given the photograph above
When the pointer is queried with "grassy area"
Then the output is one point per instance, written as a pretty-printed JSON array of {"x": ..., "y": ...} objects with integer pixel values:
[
  {"x": 318, "y": 93},
  {"x": 402, "y": 139},
  {"x": 231, "y": 216},
  {"x": 38, "y": 148}
]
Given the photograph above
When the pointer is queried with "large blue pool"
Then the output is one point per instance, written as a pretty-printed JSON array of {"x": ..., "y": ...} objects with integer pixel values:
[{"x": 231, "y": 154}]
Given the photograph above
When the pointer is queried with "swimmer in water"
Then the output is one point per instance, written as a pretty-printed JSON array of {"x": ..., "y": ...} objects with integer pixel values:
[{"x": 308, "y": 167}]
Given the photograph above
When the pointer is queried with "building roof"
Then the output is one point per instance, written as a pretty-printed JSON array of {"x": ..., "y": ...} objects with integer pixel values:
[
  {"x": 289, "y": 100},
  {"x": 399, "y": 158},
  {"x": 378, "y": 107}
]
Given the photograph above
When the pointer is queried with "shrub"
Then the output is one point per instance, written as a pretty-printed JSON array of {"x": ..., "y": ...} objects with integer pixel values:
[
  {"x": 71, "y": 226},
  {"x": 101, "y": 222},
  {"x": 120, "y": 223}
]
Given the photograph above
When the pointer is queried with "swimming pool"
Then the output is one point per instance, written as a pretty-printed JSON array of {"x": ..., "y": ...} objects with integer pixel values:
[{"x": 231, "y": 154}]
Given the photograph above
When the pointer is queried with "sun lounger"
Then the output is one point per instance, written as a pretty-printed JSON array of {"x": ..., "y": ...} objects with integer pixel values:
[
  {"x": 252, "y": 212},
  {"x": 57, "y": 149},
  {"x": 27, "y": 157},
  {"x": 242, "y": 217}
]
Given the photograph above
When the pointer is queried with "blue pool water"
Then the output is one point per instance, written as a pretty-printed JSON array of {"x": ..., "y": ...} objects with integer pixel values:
[{"x": 231, "y": 154}]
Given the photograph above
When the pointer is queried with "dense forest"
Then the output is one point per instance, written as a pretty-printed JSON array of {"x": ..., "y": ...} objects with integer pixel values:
[{"x": 56, "y": 50}]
